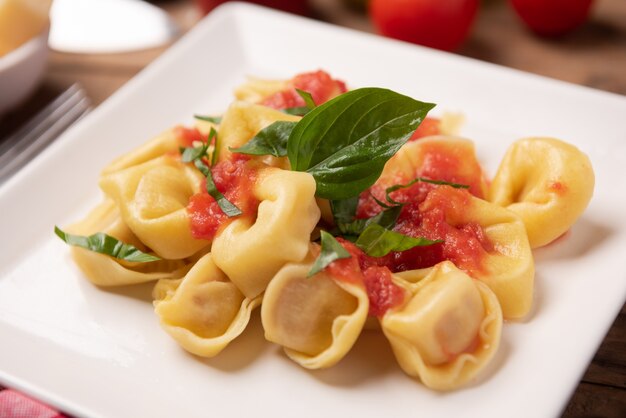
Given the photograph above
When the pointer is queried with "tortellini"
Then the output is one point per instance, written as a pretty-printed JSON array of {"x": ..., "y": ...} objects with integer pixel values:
[
  {"x": 204, "y": 311},
  {"x": 547, "y": 182},
  {"x": 448, "y": 330},
  {"x": 316, "y": 319},
  {"x": 256, "y": 89},
  {"x": 103, "y": 270},
  {"x": 152, "y": 198},
  {"x": 251, "y": 251}
]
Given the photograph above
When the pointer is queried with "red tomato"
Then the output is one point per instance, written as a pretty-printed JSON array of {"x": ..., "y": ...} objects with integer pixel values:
[
  {"x": 293, "y": 6},
  {"x": 553, "y": 17},
  {"x": 441, "y": 24}
]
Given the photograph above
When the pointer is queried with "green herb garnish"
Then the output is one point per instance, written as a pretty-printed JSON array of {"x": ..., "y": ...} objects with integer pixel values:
[
  {"x": 308, "y": 99},
  {"x": 392, "y": 189},
  {"x": 377, "y": 241},
  {"x": 107, "y": 245},
  {"x": 296, "y": 111},
  {"x": 271, "y": 140},
  {"x": 213, "y": 119},
  {"x": 331, "y": 250},
  {"x": 345, "y": 142},
  {"x": 386, "y": 219},
  {"x": 197, "y": 155}
]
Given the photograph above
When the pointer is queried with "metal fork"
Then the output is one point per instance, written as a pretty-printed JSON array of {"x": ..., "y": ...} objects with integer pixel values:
[{"x": 43, "y": 128}]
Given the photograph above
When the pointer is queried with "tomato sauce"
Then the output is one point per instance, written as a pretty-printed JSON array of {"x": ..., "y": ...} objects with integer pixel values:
[
  {"x": 235, "y": 179},
  {"x": 429, "y": 126},
  {"x": 319, "y": 83},
  {"x": 187, "y": 136},
  {"x": 382, "y": 293}
]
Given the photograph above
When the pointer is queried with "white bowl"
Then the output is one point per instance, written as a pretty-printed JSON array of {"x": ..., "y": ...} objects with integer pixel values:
[{"x": 21, "y": 71}]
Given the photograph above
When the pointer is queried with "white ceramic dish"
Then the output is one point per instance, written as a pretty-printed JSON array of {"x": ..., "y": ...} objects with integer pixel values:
[
  {"x": 95, "y": 352},
  {"x": 21, "y": 71}
]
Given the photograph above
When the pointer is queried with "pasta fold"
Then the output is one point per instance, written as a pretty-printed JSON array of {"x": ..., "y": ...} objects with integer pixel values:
[
  {"x": 318, "y": 319},
  {"x": 242, "y": 121},
  {"x": 166, "y": 142},
  {"x": 152, "y": 198},
  {"x": 204, "y": 311},
  {"x": 547, "y": 182},
  {"x": 104, "y": 270},
  {"x": 449, "y": 329},
  {"x": 251, "y": 251},
  {"x": 446, "y": 158}
]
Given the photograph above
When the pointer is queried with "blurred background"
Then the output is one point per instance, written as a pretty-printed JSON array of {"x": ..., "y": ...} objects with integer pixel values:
[{"x": 84, "y": 50}]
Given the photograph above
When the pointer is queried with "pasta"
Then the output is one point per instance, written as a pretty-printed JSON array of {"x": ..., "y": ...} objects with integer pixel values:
[
  {"x": 203, "y": 311},
  {"x": 547, "y": 182},
  {"x": 334, "y": 211}
]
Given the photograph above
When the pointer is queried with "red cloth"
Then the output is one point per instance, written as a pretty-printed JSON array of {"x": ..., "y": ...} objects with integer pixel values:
[{"x": 16, "y": 405}]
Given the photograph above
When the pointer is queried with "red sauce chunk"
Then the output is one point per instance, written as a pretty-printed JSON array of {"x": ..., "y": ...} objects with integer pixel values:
[
  {"x": 382, "y": 293},
  {"x": 557, "y": 187},
  {"x": 429, "y": 126},
  {"x": 235, "y": 179},
  {"x": 319, "y": 83},
  {"x": 187, "y": 136}
]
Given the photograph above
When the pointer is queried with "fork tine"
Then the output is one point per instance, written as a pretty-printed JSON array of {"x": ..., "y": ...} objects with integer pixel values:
[
  {"x": 48, "y": 127},
  {"x": 38, "y": 123}
]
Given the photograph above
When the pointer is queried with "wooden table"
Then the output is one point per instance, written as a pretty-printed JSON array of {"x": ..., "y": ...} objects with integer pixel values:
[{"x": 594, "y": 56}]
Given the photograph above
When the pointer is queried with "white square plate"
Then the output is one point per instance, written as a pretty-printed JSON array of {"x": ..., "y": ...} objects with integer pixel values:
[{"x": 101, "y": 352}]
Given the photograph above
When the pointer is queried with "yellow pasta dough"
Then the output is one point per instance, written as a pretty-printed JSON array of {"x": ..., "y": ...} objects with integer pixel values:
[
  {"x": 204, "y": 311},
  {"x": 166, "y": 142},
  {"x": 103, "y": 270},
  {"x": 417, "y": 158},
  {"x": 242, "y": 121},
  {"x": 152, "y": 198},
  {"x": 256, "y": 89},
  {"x": 251, "y": 251},
  {"x": 448, "y": 330},
  {"x": 317, "y": 320},
  {"x": 547, "y": 182}
]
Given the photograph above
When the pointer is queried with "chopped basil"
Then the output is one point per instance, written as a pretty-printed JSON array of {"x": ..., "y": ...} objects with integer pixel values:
[
  {"x": 331, "y": 250},
  {"x": 308, "y": 99},
  {"x": 386, "y": 218},
  {"x": 345, "y": 142},
  {"x": 344, "y": 210},
  {"x": 190, "y": 154},
  {"x": 107, "y": 245},
  {"x": 196, "y": 156},
  {"x": 213, "y": 119},
  {"x": 226, "y": 205},
  {"x": 271, "y": 140},
  {"x": 296, "y": 111},
  {"x": 392, "y": 189},
  {"x": 377, "y": 241},
  {"x": 216, "y": 146}
]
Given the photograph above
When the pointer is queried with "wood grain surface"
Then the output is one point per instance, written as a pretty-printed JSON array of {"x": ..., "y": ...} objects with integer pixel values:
[{"x": 594, "y": 56}]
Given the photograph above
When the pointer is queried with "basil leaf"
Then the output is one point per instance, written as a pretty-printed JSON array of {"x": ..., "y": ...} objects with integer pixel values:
[
  {"x": 200, "y": 165},
  {"x": 386, "y": 218},
  {"x": 391, "y": 189},
  {"x": 308, "y": 99},
  {"x": 345, "y": 142},
  {"x": 331, "y": 250},
  {"x": 378, "y": 241},
  {"x": 344, "y": 210},
  {"x": 107, "y": 245},
  {"x": 190, "y": 154},
  {"x": 297, "y": 111},
  {"x": 271, "y": 140},
  {"x": 216, "y": 146},
  {"x": 213, "y": 119},
  {"x": 226, "y": 205}
]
